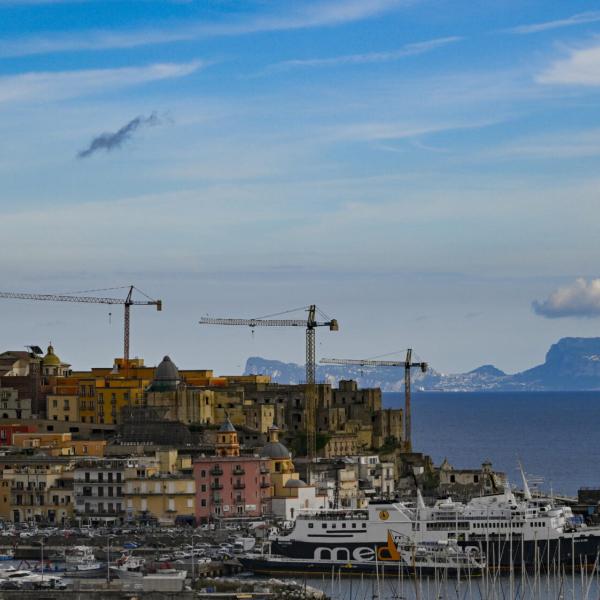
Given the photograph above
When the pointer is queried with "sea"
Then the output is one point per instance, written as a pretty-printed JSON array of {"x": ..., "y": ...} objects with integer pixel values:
[{"x": 555, "y": 435}]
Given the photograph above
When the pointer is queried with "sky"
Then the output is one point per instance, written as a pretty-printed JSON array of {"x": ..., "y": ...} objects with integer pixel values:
[{"x": 425, "y": 171}]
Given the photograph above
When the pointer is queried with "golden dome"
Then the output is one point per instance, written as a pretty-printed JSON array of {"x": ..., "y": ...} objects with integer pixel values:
[{"x": 51, "y": 360}]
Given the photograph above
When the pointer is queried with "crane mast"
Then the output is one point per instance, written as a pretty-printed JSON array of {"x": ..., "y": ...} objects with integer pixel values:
[
  {"x": 127, "y": 302},
  {"x": 407, "y": 364},
  {"x": 310, "y": 324}
]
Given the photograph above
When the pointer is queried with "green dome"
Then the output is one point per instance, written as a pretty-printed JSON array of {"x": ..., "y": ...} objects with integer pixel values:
[{"x": 51, "y": 360}]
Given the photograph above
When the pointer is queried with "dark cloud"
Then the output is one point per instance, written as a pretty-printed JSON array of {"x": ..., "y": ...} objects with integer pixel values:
[
  {"x": 579, "y": 299},
  {"x": 112, "y": 141}
]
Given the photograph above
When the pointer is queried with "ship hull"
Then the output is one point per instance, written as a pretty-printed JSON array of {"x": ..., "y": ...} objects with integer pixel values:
[
  {"x": 283, "y": 566},
  {"x": 569, "y": 552}
]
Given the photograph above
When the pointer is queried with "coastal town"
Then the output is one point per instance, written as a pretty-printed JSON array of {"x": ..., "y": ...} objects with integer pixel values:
[
  {"x": 134, "y": 443},
  {"x": 168, "y": 478}
]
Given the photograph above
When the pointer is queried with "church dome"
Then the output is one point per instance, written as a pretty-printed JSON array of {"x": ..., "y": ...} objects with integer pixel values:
[
  {"x": 275, "y": 450},
  {"x": 166, "y": 377},
  {"x": 295, "y": 483},
  {"x": 51, "y": 360}
]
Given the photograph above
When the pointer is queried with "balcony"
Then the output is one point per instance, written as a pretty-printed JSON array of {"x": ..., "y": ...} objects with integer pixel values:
[
  {"x": 216, "y": 486},
  {"x": 217, "y": 500},
  {"x": 264, "y": 469},
  {"x": 265, "y": 484},
  {"x": 216, "y": 471},
  {"x": 239, "y": 485},
  {"x": 239, "y": 471}
]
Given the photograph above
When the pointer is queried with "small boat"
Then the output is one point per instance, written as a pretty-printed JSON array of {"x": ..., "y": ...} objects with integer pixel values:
[
  {"x": 8, "y": 555},
  {"x": 79, "y": 555},
  {"x": 27, "y": 577},
  {"x": 129, "y": 567}
]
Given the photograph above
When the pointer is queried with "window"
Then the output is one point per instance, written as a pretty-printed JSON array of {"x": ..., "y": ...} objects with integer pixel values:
[{"x": 203, "y": 502}]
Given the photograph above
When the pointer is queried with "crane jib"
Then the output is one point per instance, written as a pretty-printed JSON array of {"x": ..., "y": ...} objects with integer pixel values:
[{"x": 85, "y": 299}]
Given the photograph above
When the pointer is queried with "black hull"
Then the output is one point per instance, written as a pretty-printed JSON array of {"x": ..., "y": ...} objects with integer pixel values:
[
  {"x": 266, "y": 566},
  {"x": 566, "y": 552}
]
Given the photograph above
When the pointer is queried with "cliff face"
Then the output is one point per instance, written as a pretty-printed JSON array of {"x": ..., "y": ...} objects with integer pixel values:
[{"x": 571, "y": 364}]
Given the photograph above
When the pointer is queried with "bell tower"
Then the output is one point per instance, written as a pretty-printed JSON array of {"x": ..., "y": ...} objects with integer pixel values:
[{"x": 227, "y": 440}]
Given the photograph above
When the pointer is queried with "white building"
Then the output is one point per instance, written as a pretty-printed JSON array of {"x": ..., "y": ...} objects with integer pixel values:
[
  {"x": 99, "y": 491},
  {"x": 376, "y": 478},
  {"x": 302, "y": 497}
]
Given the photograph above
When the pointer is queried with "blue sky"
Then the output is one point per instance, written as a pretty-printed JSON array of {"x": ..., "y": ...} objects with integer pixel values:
[{"x": 421, "y": 169}]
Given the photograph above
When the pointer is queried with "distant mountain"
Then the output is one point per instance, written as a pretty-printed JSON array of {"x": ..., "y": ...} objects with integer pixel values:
[{"x": 571, "y": 364}]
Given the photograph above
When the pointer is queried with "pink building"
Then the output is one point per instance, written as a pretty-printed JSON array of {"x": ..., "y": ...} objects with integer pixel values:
[{"x": 229, "y": 485}]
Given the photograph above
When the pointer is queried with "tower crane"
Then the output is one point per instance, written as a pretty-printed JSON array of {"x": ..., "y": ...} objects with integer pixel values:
[
  {"x": 407, "y": 364},
  {"x": 127, "y": 302},
  {"x": 310, "y": 323}
]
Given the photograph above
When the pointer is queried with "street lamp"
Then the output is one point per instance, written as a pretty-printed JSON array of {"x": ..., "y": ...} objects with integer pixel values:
[
  {"x": 41, "y": 543},
  {"x": 108, "y": 538}
]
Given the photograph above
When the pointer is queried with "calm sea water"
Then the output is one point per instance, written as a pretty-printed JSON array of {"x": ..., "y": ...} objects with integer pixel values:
[{"x": 556, "y": 435}]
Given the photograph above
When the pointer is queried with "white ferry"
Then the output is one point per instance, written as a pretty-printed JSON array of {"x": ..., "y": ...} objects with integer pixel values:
[{"x": 507, "y": 531}]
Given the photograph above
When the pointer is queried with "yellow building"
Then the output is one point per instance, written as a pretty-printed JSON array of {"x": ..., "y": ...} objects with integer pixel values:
[
  {"x": 62, "y": 407},
  {"x": 59, "y": 444},
  {"x": 161, "y": 489},
  {"x": 188, "y": 396},
  {"x": 41, "y": 490}
]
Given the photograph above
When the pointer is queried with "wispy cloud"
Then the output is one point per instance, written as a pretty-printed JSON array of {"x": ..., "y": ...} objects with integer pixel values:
[
  {"x": 580, "y": 299},
  {"x": 581, "y": 67},
  {"x": 374, "y": 131},
  {"x": 557, "y": 146},
  {"x": 578, "y": 19},
  {"x": 47, "y": 85},
  {"x": 111, "y": 141},
  {"x": 366, "y": 58},
  {"x": 316, "y": 14}
]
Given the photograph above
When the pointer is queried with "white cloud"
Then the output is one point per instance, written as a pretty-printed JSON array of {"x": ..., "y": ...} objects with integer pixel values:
[
  {"x": 580, "y": 299},
  {"x": 48, "y": 85},
  {"x": 581, "y": 67},
  {"x": 578, "y": 19},
  {"x": 369, "y": 57},
  {"x": 316, "y": 14}
]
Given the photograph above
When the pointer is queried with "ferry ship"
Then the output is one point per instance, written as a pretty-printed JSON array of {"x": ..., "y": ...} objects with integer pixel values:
[
  {"x": 509, "y": 532},
  {"x": 403, "y": 556}
]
